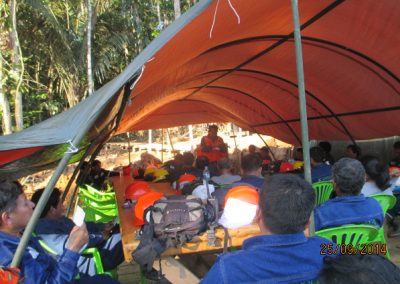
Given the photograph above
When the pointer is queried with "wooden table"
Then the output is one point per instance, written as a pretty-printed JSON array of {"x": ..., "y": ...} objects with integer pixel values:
[
  {"x": 129, "y": 230},
  {"x": 197, "y": 245}
]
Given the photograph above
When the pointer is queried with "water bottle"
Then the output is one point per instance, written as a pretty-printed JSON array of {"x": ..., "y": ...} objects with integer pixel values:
[
  {"x": 206, "y": 174},
  {"x": 206, "y": 178}
]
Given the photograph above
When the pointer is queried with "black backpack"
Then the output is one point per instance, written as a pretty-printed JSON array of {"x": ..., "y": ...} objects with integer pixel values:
[
  {"x": 178, "y": 219},
  {"x": 171, "y": 221}
]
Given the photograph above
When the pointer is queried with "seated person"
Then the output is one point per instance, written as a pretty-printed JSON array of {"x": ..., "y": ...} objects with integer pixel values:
[
  {"x": 359, "y": 269},
  {"x": 353, "y": 151},
  {"x": 327, "y": 147},
  {"x": 36, "y": 265},
  {"x": 320, "y": 171},
  {"x": 395, "y": 161},
  {"x": 225, "y": 170},
  {"x": 98, "y": 175},
  {"x": 282, "y": 253},
  {"x": 349, "y": 206},
  {"x": 251, "y": 167},
  {"x": 266, "y": 159},
  {"x": 377, "y": 177},
  {"x": 53, "y": 227}
]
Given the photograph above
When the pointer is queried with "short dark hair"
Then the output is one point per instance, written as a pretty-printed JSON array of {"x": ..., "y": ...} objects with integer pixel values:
[
  {"x": 213, "y": 126},
  {"x": 251, "y": 162},
  {"x": 376, "y": 171},
  {"x": 201, "y": 162},
  {"x": 317, "y": 154},
  {"x": 326, "y": 146},
  {"x": 96, "y": 163},
  {"x": 396, "y": 145},
  {"x": 355, "y": 149},
  {"x": 286, "y": 203},
  {"x": 9, "y": 192},
  {"x": 53, "y": 201},
  {"x": 349, "y": 176},
  {"x": 359, "y": 269},
  {"x": 188, "y": 159},
  {"x": 224, "y": 163}
]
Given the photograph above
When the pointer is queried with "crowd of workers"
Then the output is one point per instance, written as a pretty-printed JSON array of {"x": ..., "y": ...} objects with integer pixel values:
[{"x": 282, "y": 253}]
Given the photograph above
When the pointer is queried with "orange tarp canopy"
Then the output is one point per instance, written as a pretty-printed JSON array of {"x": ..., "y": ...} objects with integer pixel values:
[{"x": 245, "y": 72}]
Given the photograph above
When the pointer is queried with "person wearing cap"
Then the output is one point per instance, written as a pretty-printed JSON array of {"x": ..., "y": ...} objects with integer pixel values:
[
  {"x": 282, "y": 253},
  {"x": 349, "y": 206},
  {"x": 53, "y": 227},
  {"x": 212, "y": 146}
]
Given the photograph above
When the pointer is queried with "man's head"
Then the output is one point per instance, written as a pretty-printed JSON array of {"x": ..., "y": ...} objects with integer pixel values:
[
  {"x": 326, "y": 146},
  {"x": 252, "y": 149},
  {"x": 317, "y": 155},
  {"x": 15, "y": 209},
  {"x": 201, "y": 162},
  {"x": 188, "y": 159},
  {"x": 299, "y": 154},
  {"x": 264, "y": 152},
  {"x": 348, "y": 177},
  {"x": 353, "y": 151},
  {"x": 286, "y": 203},
  {"x": 213, "y": 130},
  {"x": 252, "y": 164},
  {"x": 396, "y": 149},
  {"x": 54, "y": 208},
  {"x": 96, "y": 166},
  {"x": 224, "y": 165}
]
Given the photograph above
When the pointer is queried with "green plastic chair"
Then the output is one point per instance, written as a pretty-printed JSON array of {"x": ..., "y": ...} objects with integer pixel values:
[
  {"x": 349, "y": 234},
  {"x": 93, "y": 252},
  {"x": 97, "y": 194},
  {"x": 323, "y": 190},
  {"x": 387, "y": 202},
  {"x": 98, "y": 206}
]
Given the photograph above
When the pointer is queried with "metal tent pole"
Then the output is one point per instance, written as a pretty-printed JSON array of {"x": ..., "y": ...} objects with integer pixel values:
[
  {"x": 129, "y": 147},
  {"x": 46, "y": 194},
  {"x": 302, "y": 100}
]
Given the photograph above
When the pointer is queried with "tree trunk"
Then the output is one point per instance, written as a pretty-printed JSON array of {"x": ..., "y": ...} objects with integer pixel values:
[
  {"x": 177, "y": 8},
  {"x": 89, "y": 48},
  {"x": 18, "y": 66},
  {"x": 5, "y": 105}
]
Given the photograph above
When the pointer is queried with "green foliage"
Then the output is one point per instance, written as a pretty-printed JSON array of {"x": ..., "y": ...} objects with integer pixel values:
[{"x": 52, "y": 35}]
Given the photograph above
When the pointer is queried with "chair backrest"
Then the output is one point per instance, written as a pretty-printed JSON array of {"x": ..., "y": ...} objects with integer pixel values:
[
  {"x": 323, "y": 190},
  {"x": 385, "y": 200},
  {"x": 349, "y": 234}
]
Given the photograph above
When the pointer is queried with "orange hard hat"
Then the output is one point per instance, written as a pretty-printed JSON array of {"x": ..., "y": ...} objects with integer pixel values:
[
  {"x": 184, "y": 179},
  {"x": 144, "y": 202},
  {"x": 286, "y": 167},
  {"x": 137, "y": 189},
  {"x": 244, "y": 193}
]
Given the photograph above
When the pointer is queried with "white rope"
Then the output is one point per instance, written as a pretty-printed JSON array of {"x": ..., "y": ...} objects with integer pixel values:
[
  {"x": 234, "y": 11},
  {"x": 72, "y": 148},
  {"x": 137, "y": 80},
  {"x": 215, "y": 15},
  {"x": 214, "y": 19}
]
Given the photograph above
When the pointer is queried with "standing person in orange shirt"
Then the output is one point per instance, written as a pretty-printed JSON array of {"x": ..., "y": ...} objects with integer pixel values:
[{"x": 212, "y": 146}]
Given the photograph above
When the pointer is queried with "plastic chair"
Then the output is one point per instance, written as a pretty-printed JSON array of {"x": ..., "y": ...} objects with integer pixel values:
[
  {"x": 349, "y": 234},
  {"x": 323, "y": 190},
  {"x": 93, "y": 252},
  {"x": 97, "y": 194},
  {"x": 387, "y": 202}
]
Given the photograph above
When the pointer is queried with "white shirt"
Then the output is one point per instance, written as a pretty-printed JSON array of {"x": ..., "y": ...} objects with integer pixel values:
[{"x": 370, "y": 188}]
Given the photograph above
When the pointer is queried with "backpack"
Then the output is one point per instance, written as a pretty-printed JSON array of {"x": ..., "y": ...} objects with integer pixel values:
[
  {"x": 178, "y": 218},
  {"x": 171, "y": 221}
]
